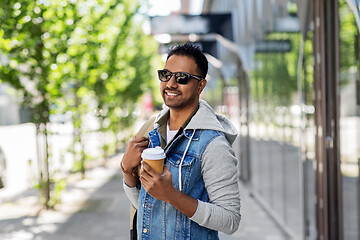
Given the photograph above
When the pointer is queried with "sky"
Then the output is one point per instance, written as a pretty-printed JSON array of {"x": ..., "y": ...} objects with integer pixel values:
[{"x": 165, "y": 7}]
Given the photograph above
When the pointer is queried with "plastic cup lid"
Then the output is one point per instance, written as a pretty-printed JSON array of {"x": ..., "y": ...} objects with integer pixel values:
[{"x": 153, "y": 153}]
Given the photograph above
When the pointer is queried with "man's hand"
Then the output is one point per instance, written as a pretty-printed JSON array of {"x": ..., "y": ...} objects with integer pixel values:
[
  {"x": 161, "y": 188},
  {"x": 132, "y": 158},
  {"x": 132, "y": 155},
  {"x": 158, "y": 186}
]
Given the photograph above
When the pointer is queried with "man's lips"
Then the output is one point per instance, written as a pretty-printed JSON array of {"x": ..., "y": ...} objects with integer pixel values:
[{"x": 171, "y": 93}]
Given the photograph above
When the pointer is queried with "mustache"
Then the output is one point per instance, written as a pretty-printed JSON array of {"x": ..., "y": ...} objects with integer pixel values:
[{"x": 172, "y": 90}]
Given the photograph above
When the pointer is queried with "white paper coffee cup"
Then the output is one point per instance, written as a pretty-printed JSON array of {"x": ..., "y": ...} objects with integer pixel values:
[{"x": 154, "y": 157}]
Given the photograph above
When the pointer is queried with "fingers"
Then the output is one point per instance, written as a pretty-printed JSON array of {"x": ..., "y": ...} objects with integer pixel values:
[
  {"x": 147, "y": 173},
  {"x": 132, "y": 155},
  {"x": 135, "y": 138},
  {"x": 167, "y": 173},
  {"x": 144, "y": 178},
  {"x": 166, "y": 170},
  {"x": 144, "y": 175},
  {"x": 148, "y": 170},
  {"x": 140, "y": 143},
  {"x": 139, "y": 139},
  {"x": 158, "y": 186}
]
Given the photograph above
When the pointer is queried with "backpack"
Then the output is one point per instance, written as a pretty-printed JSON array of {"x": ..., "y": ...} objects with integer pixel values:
[{"x": 147, "y": 127}]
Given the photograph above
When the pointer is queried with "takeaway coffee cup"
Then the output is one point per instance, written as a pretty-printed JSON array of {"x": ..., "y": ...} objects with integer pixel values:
[{"x": 154, "y": 157}]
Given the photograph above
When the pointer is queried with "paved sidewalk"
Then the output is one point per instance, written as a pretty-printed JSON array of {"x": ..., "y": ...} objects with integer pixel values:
[
  {"x": 96, "y": 208},
  {"x": 255, "y": 223}
]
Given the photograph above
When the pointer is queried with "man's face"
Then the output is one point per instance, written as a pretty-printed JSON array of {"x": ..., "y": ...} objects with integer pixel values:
[{"x": 181, "y": 96}]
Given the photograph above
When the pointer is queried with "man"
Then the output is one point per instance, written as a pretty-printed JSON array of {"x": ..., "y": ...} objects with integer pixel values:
[{"x": 197, "y": 195}]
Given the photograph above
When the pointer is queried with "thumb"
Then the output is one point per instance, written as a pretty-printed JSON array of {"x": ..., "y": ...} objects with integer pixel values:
[{"x": 166, "y": 171}]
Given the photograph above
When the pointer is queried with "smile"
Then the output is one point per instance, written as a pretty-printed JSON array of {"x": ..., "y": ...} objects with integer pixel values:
[{"x": 172, "y": 94}]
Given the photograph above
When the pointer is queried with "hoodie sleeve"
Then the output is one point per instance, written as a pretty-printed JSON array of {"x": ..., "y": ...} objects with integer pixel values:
[
  {"x": 219, "y": 170},
  {"x": 132, "y": 193}
]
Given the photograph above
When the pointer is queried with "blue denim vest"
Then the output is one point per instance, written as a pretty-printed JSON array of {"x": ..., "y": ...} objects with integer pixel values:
[{"x": 159, "y": 220}]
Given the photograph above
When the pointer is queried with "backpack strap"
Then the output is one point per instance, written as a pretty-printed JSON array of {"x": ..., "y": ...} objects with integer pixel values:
[
  {"x": 147, "y": 127},
  {"x": 133, "y": 223}
]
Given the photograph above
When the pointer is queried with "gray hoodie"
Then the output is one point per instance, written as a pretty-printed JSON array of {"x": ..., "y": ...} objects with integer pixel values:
[{"x": 219, "y": 171}]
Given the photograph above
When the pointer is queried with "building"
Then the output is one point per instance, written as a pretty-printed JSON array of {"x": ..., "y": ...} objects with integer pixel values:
[{"x": 298, "y": 79}]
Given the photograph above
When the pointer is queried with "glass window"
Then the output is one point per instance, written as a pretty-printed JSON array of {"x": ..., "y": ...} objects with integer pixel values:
[
  {"x": 282, "y": 130},
  {"x": 349, "y": 119}
]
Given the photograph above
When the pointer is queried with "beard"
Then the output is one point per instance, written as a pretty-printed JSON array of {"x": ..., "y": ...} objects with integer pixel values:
[{"x": 180, "y": 101}]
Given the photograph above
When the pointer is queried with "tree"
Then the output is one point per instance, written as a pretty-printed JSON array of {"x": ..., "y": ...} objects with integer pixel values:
[
  {"x": 58, "y": 54},
  {"x": 27, "y": 65}
]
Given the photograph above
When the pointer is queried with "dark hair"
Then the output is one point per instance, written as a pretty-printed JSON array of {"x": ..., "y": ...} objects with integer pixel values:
[{"x": 193, "y": 51}]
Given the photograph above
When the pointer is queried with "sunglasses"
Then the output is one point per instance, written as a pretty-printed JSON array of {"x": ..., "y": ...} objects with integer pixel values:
[{"x": 180, "y": 77}]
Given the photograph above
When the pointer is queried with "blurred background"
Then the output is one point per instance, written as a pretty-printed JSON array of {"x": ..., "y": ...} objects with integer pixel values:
[{"x": 78, "y": 78}]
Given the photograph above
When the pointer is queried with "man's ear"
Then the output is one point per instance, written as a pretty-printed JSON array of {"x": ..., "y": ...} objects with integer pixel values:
[{"x": 201, "y": 86}]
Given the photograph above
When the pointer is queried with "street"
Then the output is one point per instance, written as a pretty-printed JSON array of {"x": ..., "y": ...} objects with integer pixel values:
[{"x": 96, "y": 208}]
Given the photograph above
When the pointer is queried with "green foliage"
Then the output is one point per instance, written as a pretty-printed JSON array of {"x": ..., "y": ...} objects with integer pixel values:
[
  {"x": 274, "y": 85},
  {"x": 276, "y": 79},
  {"x": 77, "y": 166},
  {"x": 83, "y": 56},
  {"x": 62, "y": 50},
  {"x": 42, "y": 187},
  {"x": 59, "y": 187},
  {"x": 348, "y": 32}
]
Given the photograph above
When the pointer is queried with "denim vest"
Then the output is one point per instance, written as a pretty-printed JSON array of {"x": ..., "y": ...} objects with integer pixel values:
[{"x": 159, "y": 220}]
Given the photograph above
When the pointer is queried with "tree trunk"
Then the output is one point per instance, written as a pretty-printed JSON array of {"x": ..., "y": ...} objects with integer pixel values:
[
  {"x": 46, "y": 169},
  {"x": 43, "y": 161},
  {"x": 82, "y": 155}
]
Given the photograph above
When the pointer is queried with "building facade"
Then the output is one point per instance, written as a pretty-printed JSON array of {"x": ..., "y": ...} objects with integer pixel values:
[{"x": 295, "y": 65}]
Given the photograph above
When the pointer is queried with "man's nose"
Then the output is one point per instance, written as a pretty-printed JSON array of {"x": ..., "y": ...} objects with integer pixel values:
[{"x": 172, "y": 83}]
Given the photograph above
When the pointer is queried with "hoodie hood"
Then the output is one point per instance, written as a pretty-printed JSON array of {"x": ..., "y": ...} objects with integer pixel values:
[{"x": 205, "y": 118}]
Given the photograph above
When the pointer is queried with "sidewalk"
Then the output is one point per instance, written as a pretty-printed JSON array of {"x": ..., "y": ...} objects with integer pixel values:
[
  {"x": 255, "y": 223},
  {"x": 96, "y": 208}
]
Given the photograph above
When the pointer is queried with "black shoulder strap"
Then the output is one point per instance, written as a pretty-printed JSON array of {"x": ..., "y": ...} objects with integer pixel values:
[{"x": 133, "y": 231}]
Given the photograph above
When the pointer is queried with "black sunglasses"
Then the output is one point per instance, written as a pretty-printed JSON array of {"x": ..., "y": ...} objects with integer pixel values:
[{"x": 180, "y": 77}]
